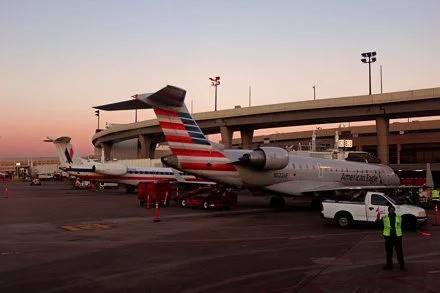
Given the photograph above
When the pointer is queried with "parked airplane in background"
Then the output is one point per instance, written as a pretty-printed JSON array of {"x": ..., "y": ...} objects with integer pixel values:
[
  {"x": 113, "y": 172},
  {"x": 271, "y": 169}
]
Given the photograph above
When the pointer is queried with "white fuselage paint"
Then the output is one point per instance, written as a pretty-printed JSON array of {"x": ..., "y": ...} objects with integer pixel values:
[{"x": 304, "y": 174}]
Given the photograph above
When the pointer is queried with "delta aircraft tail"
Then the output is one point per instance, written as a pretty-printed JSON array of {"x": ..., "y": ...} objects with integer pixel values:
[{"x": 65, "y": 151}]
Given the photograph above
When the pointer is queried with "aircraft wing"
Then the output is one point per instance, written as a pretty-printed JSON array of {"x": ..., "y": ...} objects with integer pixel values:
[{"x": 181, "y": 179}]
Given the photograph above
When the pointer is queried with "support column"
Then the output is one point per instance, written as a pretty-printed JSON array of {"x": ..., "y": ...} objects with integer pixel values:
[
  {"x": 399, "y": 149},
  {"x": 226, "y": 133},
  {"x": 382, "y": 130},
  {"x": 107, "y": 146},
  {"x": 147, "y": 147},
  {"x": 246, "y": 137}
]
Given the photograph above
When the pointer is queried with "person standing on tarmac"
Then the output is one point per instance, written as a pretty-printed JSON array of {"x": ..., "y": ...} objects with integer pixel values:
[{"x": 392, "y": 232}]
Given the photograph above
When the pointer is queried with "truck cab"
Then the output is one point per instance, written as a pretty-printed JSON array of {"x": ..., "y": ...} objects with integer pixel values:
[{"x": 366, "y": 206}]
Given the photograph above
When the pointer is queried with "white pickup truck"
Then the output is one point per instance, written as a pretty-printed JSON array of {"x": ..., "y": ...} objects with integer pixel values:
[{"x": 364, "y": 207}]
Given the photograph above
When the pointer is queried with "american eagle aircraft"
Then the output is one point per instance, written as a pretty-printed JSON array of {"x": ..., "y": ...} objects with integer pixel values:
[
  {"x": 130, "y": 176},
  {"x": 269, "y": 169}
]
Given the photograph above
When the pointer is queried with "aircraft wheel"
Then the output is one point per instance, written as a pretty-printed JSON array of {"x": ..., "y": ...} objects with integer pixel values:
[
  {"x": 130, "y": 189},
  {"x": 316, "y": 203},
  {"x": 277, "y": 202}
]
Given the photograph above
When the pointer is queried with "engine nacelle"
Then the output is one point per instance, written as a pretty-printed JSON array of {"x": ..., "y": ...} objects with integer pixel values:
[
  {"x": 266, "y": 158},
  {"x": 110, "y": 169}
]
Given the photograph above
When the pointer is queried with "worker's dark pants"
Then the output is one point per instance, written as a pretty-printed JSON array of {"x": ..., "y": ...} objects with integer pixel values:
[{"x": 396, "y": 243}]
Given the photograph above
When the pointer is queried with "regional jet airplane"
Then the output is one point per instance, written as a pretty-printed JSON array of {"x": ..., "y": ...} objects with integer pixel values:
[
  {"x": 113, "y": 172},
  {"x": 271, "y": 169}
]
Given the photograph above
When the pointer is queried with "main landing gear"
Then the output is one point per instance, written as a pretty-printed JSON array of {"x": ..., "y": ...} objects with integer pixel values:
[{"x": 277, "y": 202}]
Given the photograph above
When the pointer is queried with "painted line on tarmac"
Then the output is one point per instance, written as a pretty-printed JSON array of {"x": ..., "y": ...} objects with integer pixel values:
[
  {"x": 248, "y": 277},
  {"x": 317, "y": 236},
  {"x": 85, "y": 227}
]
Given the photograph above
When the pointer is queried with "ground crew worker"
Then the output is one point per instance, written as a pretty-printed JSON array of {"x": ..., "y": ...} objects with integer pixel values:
[
  {"x": 392, "y": 232},
  {"x": 435, "y": 195}
]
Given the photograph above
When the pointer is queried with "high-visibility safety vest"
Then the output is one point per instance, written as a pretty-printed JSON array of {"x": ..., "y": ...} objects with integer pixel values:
[
  {"x": 387, "y": 226},
  {"x": 435, "y": 194}
]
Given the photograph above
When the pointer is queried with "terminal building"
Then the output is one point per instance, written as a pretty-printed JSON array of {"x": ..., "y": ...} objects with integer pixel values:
[{"x": 29, "y": 166}]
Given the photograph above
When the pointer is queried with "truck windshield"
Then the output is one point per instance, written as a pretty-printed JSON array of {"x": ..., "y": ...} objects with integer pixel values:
[{"x": 390, "y": 199}]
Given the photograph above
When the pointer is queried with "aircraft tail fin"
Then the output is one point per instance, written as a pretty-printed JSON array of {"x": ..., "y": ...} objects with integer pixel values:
[
  {"x": 186, "y": 140},
  {"x": 65, "y": 151}
]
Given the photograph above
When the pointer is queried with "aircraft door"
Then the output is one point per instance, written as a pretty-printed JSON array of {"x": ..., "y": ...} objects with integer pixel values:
[{"x": 320, "y": 170}]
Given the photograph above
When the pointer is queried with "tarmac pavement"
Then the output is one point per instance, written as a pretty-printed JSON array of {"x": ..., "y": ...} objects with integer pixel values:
[{"x": 54, "y": 239}]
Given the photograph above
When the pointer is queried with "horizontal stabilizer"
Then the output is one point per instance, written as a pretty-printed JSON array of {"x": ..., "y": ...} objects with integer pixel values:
[
  {"x": 60, "y": 139},
  {"x": 169, "y": 96},
  {"x": 125, "y": 105}
]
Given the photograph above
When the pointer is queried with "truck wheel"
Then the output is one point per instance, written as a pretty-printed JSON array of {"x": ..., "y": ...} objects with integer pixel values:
[{"x": 344, "y": 220}]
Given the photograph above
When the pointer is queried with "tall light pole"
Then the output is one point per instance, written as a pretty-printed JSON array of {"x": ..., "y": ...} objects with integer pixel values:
[
  {"x": 136, "y": 110},
  {"x": 381, "y": 85},
  {"x": 314, "y": 92},
  {"x": 369, "y": 57},
  {"x": 250, "y": 95},
  {"x": 215, "y": 81}
]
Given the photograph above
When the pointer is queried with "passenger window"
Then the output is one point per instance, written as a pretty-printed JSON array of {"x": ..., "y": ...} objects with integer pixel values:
[{"x": 379, "y": 200}]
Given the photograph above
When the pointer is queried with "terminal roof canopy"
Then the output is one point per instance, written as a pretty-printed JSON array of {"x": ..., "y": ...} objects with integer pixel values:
[{"x": 124, "y": 105}]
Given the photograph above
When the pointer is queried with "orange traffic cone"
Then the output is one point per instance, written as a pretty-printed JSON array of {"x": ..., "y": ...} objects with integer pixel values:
[{"x": 156, "y": 213}]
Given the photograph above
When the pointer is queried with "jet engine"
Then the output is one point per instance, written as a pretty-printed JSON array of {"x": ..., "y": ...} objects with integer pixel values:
[
  {"x": 266, "y": 158},
  {"x": 110, "y": 169}
]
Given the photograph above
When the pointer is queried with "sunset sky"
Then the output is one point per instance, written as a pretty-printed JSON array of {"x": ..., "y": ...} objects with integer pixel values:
[{"x": 60, "y": 58}]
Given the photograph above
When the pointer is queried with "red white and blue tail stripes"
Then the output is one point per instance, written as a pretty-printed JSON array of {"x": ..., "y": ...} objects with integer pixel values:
[{"x": 188, "y": 143}]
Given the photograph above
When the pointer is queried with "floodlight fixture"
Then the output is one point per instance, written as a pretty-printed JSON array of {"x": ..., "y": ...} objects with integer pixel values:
[
  {"x": 215, "y": 81},
  {"x": 369, "y": 58}
]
